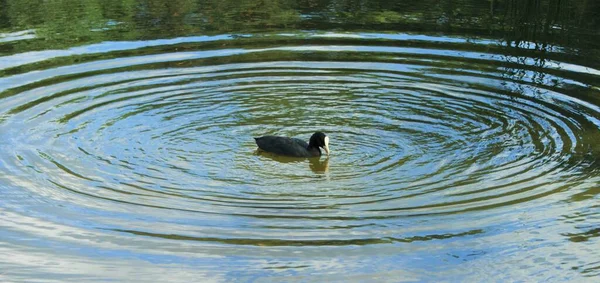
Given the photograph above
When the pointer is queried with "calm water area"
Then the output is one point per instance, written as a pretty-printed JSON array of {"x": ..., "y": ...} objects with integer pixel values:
[{"x": 464, "y": 137}]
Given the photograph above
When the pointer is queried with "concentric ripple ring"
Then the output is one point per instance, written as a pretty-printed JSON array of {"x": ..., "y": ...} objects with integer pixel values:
[{"x": 428, "y": 143}]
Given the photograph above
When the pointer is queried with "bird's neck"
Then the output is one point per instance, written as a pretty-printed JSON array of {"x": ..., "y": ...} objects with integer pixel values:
[{"x": 314, "y": 148}]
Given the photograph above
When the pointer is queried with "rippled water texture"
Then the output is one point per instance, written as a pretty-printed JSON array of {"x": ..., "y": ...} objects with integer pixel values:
[{"x": 451, "y": 159}]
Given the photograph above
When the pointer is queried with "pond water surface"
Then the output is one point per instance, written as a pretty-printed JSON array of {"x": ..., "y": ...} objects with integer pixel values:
[{"x": 128, "y": 155}]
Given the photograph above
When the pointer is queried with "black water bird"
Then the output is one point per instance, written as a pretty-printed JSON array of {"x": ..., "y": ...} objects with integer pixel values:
[{"x": 294, "y": 147}]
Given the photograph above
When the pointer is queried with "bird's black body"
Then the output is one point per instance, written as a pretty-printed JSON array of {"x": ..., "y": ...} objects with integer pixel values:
[{"x": 292, "y": 146}]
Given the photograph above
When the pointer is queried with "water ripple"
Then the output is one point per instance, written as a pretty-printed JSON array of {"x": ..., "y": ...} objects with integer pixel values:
[{"x": 158, "y": 148}]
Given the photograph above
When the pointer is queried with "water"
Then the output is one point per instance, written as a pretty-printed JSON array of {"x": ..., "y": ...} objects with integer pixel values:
[{"x": 454, "y": 157}]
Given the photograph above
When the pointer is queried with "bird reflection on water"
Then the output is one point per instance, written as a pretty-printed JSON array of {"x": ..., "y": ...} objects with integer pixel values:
[{"x": 316, "y": 165}]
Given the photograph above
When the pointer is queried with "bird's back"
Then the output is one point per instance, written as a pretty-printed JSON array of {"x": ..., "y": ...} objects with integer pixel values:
[{"x": 284, "y": 146}]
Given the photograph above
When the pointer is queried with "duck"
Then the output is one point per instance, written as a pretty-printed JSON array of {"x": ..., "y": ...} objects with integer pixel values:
[{"x": 294, "y": 147}]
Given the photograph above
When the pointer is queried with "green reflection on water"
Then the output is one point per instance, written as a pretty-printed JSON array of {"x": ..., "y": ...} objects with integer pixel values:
[{"x": 68, "y": 22}]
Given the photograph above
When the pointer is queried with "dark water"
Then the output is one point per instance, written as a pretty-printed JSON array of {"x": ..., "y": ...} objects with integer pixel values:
[{"x": 464, "y": 137}]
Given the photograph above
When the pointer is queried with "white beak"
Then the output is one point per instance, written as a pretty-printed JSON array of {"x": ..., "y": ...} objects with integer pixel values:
[{"x": 326, "y": 147}]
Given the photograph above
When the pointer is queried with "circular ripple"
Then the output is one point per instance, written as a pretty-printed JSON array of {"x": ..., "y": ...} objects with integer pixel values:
[{"x": 426, "y": 134}]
